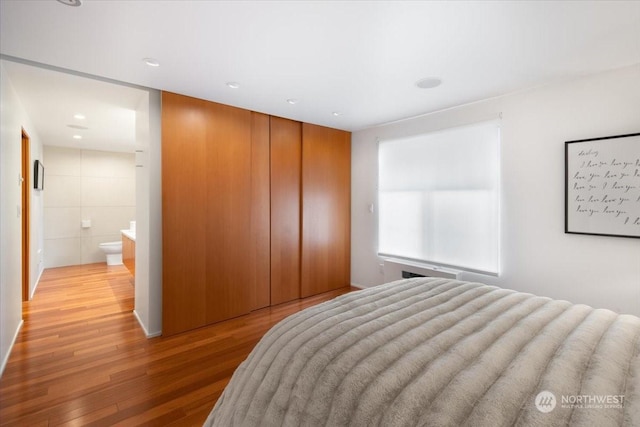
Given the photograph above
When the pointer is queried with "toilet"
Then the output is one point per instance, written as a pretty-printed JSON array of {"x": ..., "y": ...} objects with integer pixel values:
[{"x": 113, "y": 250}]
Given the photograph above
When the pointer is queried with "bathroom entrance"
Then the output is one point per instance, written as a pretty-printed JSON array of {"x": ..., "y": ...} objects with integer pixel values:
[{"x": 95, "y": 139}]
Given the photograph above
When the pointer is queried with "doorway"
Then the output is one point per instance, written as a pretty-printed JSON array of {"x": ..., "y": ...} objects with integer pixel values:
[
  {"x": 26, "y": 192},
  {"x": 60, "y": 120}
]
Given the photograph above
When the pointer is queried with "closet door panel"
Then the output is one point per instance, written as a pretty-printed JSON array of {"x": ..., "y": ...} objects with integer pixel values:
[
  {"x": 228, "y": 208},
  {"x": 206, "y": 174},
  {"x": 260, "y": 211},
  {"x": 326, "y": 209},
  {"x": 184, "y": 221},
  {"x": 285, "y": 210}
]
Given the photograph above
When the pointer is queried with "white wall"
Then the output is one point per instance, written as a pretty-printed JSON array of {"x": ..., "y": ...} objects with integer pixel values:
[
  {"x": 85, "y": 185},
  {"x": 155, "y": 212},
  {"x": 13, "y": 118},
  {"x": 536, "y": 255},
  {"x": 36, "y": 232},
  {"x": 148, "y": 289}
]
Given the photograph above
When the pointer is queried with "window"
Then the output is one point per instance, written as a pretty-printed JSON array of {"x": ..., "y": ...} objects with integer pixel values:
[{"x": 438, "y": 197}]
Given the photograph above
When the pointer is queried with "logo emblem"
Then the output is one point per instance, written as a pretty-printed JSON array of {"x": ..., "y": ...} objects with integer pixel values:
[{"x": 545, "y": 401}]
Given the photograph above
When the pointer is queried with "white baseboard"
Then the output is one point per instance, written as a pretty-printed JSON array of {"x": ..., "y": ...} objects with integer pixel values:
[
  {"x": 5, "y": 359},
  {"x": 147, "y": 333},
  {"x": 33, "y": 292}
]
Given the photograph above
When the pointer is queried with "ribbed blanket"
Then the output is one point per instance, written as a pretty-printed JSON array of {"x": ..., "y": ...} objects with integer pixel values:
[{"x": 438, "y": 352}]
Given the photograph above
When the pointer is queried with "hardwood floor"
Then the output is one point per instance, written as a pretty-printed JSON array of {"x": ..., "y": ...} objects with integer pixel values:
[{"x": 82, "y": 359}]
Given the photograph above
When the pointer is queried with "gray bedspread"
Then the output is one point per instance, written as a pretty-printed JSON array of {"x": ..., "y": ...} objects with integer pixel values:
[{"x": 438, "y": 352}]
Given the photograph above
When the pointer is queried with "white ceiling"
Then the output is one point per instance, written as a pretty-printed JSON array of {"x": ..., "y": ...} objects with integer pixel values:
[
  {"x": 52, "y": 99},
  {"x": 359, "y": 58}
]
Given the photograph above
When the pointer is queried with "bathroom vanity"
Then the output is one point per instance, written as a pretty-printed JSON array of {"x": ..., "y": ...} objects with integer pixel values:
[{"x": 129, "y": 251}]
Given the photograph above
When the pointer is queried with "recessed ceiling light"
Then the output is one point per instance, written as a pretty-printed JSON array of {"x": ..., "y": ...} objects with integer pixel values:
[
  {"x": 151, "y": 62},
  {"x": 77, "y": 127},
  {"x": 74, "y": 3},
  {"x": 293, "y": 101},
  {"x": 79, "y": 116},
  {"x": 429, "y": 82},
  {"x": 77, "y": 136},
  {"x": 336, "y": 113},
  {"x": 233, "y": 85}
]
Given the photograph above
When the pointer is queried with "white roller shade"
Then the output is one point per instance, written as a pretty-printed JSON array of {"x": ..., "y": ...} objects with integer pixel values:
[{"x": 439, "y": 197}]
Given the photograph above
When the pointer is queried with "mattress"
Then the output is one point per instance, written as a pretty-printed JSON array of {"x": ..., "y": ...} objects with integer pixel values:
[{"x": 440, "y": 352}]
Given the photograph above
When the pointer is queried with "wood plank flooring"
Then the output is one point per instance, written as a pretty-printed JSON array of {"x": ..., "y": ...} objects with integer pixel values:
[{"x": 82, "y": 359}]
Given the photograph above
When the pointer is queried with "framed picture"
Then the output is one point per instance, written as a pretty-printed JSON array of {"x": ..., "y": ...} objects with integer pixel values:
[
  {"x": 38, "y": 175},
  {"x": 602, "y": 186}
]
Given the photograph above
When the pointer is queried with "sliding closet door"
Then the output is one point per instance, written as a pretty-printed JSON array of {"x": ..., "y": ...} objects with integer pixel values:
[
  {"x": 285, "y": 210},
  {"x": 184, "y": 220},
  {"x": 206, "y": 206},
  {"x": 228, "y": 205},
  {"x": 326, "y": 209},
  {"x": 260, "y": 211}
]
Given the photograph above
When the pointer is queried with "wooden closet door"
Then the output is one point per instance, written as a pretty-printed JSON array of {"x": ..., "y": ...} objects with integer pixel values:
[
  {"x": 228, "y": 207},
  {"x": 206, "y": 204},
  {"x": 184, "y": 218},
  {"x": 326, "y": 209},
  {"x": 285, "y": 210},
  {"x": 260, "y": 211}
]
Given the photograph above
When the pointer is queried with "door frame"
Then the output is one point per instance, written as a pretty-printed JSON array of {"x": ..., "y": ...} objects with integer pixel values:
[{"x": 26, "y": 224}]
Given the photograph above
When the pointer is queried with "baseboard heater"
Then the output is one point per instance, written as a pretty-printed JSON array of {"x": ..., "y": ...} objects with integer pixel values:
[
  {"x": 410, "y": 275},
  {"x": 396, "y": 269}
]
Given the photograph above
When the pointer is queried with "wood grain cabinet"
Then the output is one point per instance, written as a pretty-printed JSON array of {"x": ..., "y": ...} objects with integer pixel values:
[
  {"x": 129, "y": 254},
  {"x": 286, "y": 158},
  {"x": 255, "y": 211},
  {"x": 326, "y": 209},
  {"x": 206, "y": 212},
  {"x": 260, "y": 254}
]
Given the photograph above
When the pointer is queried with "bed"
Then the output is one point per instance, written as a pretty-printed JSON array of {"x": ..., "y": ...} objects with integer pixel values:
[{"x": 440, "y": 352}]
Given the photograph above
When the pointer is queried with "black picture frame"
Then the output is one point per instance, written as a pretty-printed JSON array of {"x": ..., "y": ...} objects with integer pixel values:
[
  {"x": 38, "y": 175},
  {"x": 602, "y": 186}
]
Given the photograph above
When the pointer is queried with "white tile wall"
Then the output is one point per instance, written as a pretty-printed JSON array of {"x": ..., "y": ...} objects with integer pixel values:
[
  {"x": 62, "y": 222},
  {"x": 61, "y": 190},
  {"x": 85, "y": 184},
  {"x": 106, "y": 219},
  {"x": 62, "y": 161},
  {"x": 61, "y": 252},
  {"x": 115, "y": 165},
  {"x": 105, "y": 191}
]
